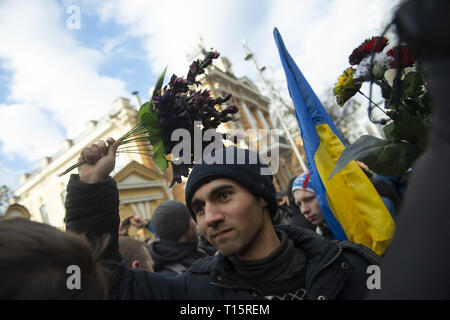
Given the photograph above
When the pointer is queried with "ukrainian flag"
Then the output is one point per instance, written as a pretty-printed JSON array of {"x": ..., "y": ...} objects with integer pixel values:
[{"x": 351, "y": 206}]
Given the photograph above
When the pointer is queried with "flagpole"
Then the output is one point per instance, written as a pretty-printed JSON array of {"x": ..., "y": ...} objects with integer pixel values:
[{"x": 251, "y": 56}]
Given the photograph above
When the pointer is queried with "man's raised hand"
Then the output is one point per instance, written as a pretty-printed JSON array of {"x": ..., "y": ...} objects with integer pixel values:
[{"x": 100, "y": 159}]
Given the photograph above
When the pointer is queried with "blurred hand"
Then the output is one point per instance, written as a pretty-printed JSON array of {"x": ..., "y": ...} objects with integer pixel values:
[
  {"x": 100, "y": 160},
  {"x": 123, "y": 227},
  {"x": 285, "y": 200},
  {"x": 139, "y": 222}
]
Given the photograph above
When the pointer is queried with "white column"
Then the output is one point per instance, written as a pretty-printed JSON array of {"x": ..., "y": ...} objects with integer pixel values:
[
  {"x": 249, "y": 116},
  {"x": 147, "y": 210},
  {"x": 141, "y": 209},
  {"x": 261, "y": 117}
]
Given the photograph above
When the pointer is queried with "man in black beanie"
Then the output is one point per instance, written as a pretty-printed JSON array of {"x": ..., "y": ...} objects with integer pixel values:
[
  {"x": 231, "y": 196},
  {"x": 234, "y": 176},
  {"x": 177, "y": 247}
]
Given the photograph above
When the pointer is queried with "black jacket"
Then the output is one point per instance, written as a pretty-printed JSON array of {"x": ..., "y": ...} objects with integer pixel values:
[
  {"x": 172, "y": 258},
  {"x": 335, "y": 270}
]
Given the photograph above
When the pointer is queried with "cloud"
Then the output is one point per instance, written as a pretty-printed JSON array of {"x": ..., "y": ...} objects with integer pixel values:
[
  {"x": 27, "y": 131},
  {"x": 320, "y": 35},
  {"x": 113, "y": 45},
  {"x": 171, "y": 29},
  {"x": 55, "y": 86}
]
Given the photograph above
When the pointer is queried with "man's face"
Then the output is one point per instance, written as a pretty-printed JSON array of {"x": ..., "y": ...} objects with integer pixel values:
[
  {"x": 309, "y": 206},
  {"x": 229, "y": 216}
]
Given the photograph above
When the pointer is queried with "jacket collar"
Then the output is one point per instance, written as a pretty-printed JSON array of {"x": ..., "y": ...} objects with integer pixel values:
[{"x": 320, "y": 252}]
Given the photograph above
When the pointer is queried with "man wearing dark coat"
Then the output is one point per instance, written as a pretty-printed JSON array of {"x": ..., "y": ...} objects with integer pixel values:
[
  {"x": 233, "y": 203},
  {"x": 177, "y": 247}
]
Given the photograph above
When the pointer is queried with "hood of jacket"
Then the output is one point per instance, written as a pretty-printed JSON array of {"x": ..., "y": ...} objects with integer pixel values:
[{"x": 165, "y": 253}]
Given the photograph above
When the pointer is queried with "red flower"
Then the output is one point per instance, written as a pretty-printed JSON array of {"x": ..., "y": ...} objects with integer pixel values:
[
  {"x": 366, "y": 48},
  {"x": 405, "y": 57}
]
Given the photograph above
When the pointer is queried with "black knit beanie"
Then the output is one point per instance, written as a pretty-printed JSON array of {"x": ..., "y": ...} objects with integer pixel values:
[
  {"x": 241, "y": 165},
  {"x": 170, "y": 220}
]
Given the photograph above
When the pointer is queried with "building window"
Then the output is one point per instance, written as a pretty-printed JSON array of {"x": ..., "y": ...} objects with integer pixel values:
[{"x": 44, "y": 214}]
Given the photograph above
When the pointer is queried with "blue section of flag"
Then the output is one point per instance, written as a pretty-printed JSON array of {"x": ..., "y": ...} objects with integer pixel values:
[{"x": 310, "y": 113}]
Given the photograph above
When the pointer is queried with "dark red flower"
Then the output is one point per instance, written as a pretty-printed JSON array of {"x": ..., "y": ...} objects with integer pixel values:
[
  {"x": 404, "y": 59},
  {"x": 178, "y": 84},
  {"x": 230, "y": 110},
  {"x": 366, "y": 48}
]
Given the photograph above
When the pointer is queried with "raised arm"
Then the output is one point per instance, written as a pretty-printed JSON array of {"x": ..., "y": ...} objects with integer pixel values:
[
  {"x": 92, "y": 202},
  {"x": 92, "y": 209}
]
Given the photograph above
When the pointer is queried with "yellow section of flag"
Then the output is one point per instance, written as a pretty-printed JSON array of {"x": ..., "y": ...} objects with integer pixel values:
[{"x": 352, "y": 197}]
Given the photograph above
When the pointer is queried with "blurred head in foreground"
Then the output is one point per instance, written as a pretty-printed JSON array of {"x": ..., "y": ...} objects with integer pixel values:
[{"x": 38, "y": 261}]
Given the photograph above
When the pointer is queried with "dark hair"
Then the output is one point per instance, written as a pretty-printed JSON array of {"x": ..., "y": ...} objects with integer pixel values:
[
  {"x": 132, "y": 250},
  {"x": 35, "y": 260}
]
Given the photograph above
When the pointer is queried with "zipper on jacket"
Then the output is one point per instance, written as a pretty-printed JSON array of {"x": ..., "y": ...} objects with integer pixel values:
[{"x": 333, "y": 259}]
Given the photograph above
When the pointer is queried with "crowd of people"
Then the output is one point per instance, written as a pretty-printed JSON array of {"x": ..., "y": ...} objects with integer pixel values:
[{"x": 234, "y": 237}]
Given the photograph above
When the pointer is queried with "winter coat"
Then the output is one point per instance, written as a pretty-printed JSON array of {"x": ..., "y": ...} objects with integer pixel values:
[
  {"x": 335, "y": 270},
  {"x": 172, "y": 258}
]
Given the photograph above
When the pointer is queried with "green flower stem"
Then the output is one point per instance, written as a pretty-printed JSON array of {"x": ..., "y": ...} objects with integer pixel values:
[
  {"x": 130, "y": 136},
  {"x": 76, "y": 165},
  {"x": 136, "y": 152},
  {"x": 135, "y": 143},
  {"x": 137, "y": 139},
  {"x": 133, "y": 147},
  {"x": 359, "y": 91}
]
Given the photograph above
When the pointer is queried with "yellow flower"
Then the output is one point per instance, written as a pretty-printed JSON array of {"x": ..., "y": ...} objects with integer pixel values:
[{"x": 345, "y": 87}]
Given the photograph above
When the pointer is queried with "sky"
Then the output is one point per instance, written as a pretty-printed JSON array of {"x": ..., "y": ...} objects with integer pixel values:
[{"x": 62, "y": 63}]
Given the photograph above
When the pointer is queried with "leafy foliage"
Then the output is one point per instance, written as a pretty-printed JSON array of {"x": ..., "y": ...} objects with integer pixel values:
[{"x": 378, "y": 155}]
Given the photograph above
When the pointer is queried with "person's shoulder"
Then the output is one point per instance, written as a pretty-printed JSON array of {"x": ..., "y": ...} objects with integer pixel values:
[
  {"x": 352, "y": 249},
  {"x": 204, "y": 265}
]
